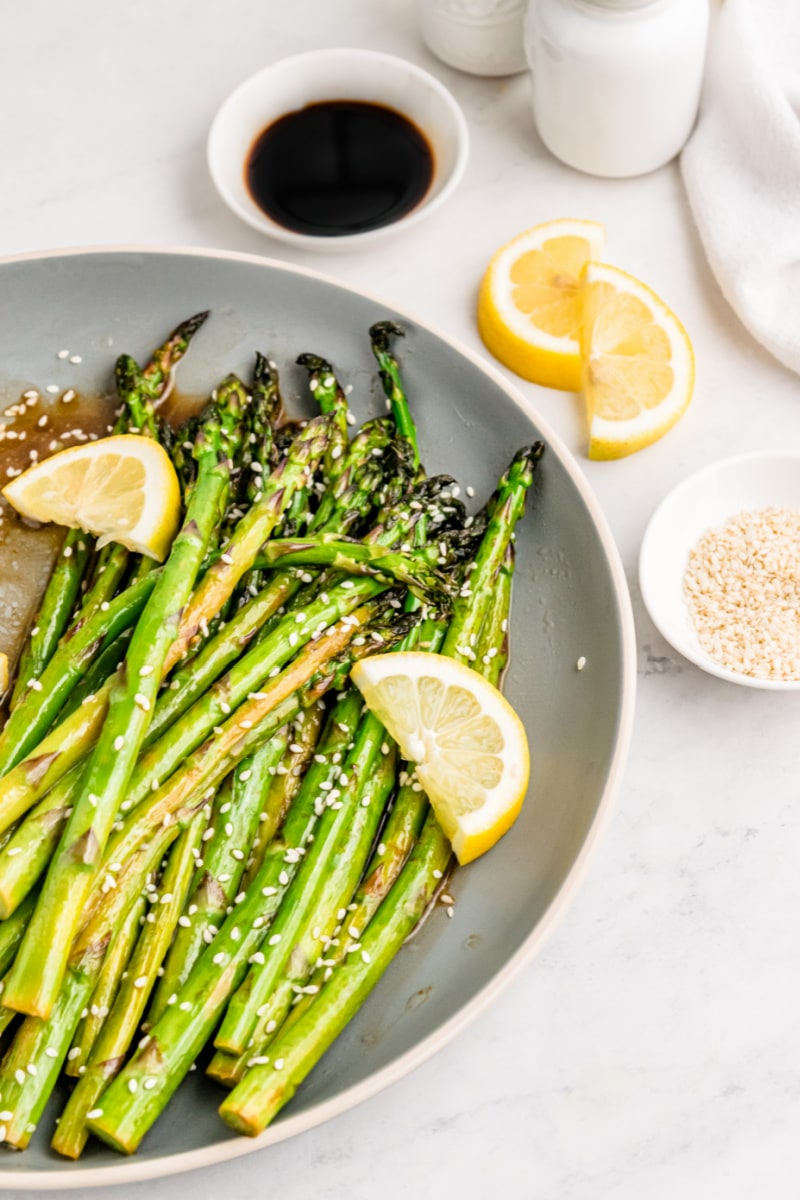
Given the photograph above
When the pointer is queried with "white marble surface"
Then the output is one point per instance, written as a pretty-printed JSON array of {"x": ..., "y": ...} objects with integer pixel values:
[{"x": 652, "y": 1049}]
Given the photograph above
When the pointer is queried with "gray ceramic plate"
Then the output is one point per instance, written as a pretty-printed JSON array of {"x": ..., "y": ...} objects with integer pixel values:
[{"x": 570, "y": 600}]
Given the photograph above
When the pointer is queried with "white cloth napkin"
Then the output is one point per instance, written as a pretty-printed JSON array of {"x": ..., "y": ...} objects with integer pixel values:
[{"x": 741, "y": 167}]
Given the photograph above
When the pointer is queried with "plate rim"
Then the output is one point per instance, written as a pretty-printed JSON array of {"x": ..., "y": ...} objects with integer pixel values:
[{"x": 133, "y": 1170}]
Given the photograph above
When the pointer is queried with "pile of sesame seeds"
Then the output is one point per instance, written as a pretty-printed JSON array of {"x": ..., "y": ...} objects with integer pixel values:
[{"x": 742, "y": 587}]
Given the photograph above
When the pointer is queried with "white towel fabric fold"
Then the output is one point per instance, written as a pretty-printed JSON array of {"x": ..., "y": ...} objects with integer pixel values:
[{"x": 741, "y": 167}]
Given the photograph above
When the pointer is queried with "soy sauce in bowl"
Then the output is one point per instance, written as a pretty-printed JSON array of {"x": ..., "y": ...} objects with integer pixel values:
[{"x": 339, "y": 167}]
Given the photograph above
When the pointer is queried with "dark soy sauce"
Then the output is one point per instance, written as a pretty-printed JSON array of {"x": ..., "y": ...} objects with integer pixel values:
[{"x": 339, "y": 167}]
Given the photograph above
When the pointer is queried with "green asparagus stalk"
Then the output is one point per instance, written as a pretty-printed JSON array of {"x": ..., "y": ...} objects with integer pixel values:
[
  {"x": 357, "y": 558},
  {"x": 24, "y": 860},
  {"x": 180, "y": 1033},
  {"x": 311, "y": 918},
  {"x": 353, "y": 500},
  {"x": 217, "y": 585},
  {"x": 353, "y": 494},
  {"x": 249, "y": 675},
  {"x": 304, "y": 735},
  {"x": 101, "y": 669},
  {"x": 329, "y": 395},
  {"x": 493, "y": 643},
  {"x": 321, "y": 860},
  {"x": 35, "y": 774},
  {"x": 140, "y": 391},
  {"x": 159, "y": 373},
  {"x": 473, "y": 601},
  {"x": 397, "y": 838},
  {"x": 33, "y": 716},
  {"x": 189, "y": 682},
  {"x": 316, "y": 670},
  {"x": 234, "y": 822},
  {"x": 221, "y": 578},
  {"x": 108, "y": 982},
  {"x": 239, "y": 736},
  {"x": 43, "y": 1043},
  {"x": 66, "y": 744},
  {"x": 380, "y": 335},
  {"x": 38, "y": 970},
  {"x": 267, "y": 1087},
  {"x": 119, "y": 1027},
  {"x": 11, "y": 931},
  {"x": 50, "y": 622},
  {"x": 266, "y": 413}
]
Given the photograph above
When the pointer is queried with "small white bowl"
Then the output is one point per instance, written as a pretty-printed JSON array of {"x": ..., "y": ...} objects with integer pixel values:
[
  {"x": 709, "y": 498},
  {"x": 339, "y": 74}
]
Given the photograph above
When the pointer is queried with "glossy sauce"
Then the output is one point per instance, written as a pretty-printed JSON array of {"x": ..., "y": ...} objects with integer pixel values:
[
  {"x": 339, "y": 167},
  {"x": 27, "y": 551}
]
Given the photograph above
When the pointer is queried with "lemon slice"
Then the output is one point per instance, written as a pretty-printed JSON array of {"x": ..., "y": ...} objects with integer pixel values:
[
  {"x": 124, "y": 489},
  {"x": 468, "y": 743},
  {"x": 638, "y": 363},
  {"x": 529, "y": 307}
]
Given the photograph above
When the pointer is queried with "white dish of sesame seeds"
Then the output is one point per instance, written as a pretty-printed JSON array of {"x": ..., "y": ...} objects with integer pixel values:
[{"x": 719, "y": 569}]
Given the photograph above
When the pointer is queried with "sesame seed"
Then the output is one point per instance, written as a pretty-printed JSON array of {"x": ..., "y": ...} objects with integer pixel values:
[
  {"x": 278, "y": 1064},
  {"x": 53, "y": 389},
  {"x": 742, "y": 586},
  {"x": 185, "y": 1006},
  {"x": 75, "y": 358},
  {"x": 581, "y": 663},
  {"x": 273, "y": 941},
  {"x": 93, "y": 1113},
  {"x": 185, "y": 922},
  {"x": 140, "y": 982},
  {"x": 218, "y": 959},
  {"x": 119, "y": 742}
]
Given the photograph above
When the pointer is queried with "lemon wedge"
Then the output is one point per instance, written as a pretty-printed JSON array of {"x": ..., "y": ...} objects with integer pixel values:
[
  {"x": 469, "y": 745},
  {"x": 530, "y": 308},
  {"x": 123, "y": 489},
  {"x": 637, "y": 363}
]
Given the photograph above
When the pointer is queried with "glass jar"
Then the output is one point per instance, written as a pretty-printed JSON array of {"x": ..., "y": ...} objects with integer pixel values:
[
  {"x": 616, "y": 83},
  {"x": 484, "y": 37}
]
